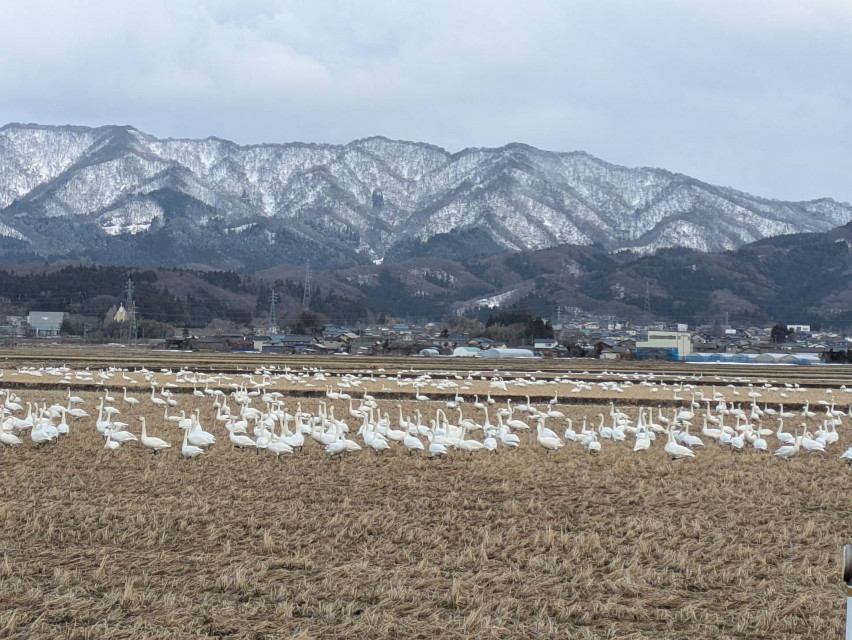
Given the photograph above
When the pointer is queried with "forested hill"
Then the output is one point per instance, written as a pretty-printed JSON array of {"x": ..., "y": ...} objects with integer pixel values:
[
  {"x": 179, "y": 298},
  {"x": 799, "y": 278}
]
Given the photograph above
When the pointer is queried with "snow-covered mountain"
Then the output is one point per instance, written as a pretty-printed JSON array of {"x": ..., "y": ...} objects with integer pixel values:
[{"x": 115, "y": 194}]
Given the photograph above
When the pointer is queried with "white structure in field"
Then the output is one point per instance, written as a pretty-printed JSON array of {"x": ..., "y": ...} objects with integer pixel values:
[
  {"x": 506, "y": 353},
  {"x": 677, "y": 343}
]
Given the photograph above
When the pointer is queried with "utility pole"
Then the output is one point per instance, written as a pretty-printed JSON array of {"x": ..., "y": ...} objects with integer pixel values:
[
  {"x": 306, "y": 294},
  {"x": 647, "y": 310}
]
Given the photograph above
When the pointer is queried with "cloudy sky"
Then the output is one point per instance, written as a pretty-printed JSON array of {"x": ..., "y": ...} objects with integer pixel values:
[{"x": 754, "y": 94}]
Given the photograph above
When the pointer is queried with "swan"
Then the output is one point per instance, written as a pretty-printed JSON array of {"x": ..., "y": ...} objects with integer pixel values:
[
  {"x": 490, "y": 443},
  {"x": 570, "y": 434},
  {"x": 12, "y": 406},
  {"x": 713, "y": 434},
  {"x": 188, "y": 450},
  {"x": 295, "y": 440},
  {"x": 63, "y": 427},
  {"x": 603, "y": 430},
  {"x": 398, "y": 435},
  {"x": 278, "y": 447},
  {"x": 436, "y": 450},
  {"x": 547, "y": 433},
  {"x": 690, "y": 440},
  {"x": 337, "y": 447},
  {"x": 405, "y": 424},
  {"x": 412, "y": 443},
  {"x": 548, "y": 441},
  {"x": 78, "y": 413},
  {"x": 9, "y": 439},
  {"x": 787, "y": 451},
  {"x": 157, "y": 401},
  {"x": 149, "y": 442},
  {"x": 239, "y": 440},
  {"x": 74, "y": 399},
  {"x": 39, "y": 435},
  {"x": 120, "y": 435},
  {"x": 593, "y": 445},
  {"x": 377, "y": 442},
  {"x": 643, "y": 442},
  {"x": 516, "y": 424},
  {"x": 675, "y": 450},
  {"x": 737, "y": 442},
  {"x": 783, "y": 436},
  {"x": 508, "y": 438},
  {"x": 110, "y": 444},
  {"x": 811, "y": 444},
  {"x": 468, "y": 445},
  {"x": 129, "y": 399},
  {"x": 198, "y": 436}
]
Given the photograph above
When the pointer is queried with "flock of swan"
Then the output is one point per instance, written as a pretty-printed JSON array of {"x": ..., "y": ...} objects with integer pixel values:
[{"x": 251, "y": 415}]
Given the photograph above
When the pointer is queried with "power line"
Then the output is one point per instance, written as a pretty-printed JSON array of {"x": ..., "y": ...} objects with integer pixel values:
[
  {"x": 273, "y": 322},
  {"x": 306, "y": 294},
  {"x": 132, "y": 325}
]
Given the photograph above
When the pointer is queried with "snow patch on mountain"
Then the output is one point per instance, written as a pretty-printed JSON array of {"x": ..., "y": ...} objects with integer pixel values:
[{"x": 373, "y": 193}]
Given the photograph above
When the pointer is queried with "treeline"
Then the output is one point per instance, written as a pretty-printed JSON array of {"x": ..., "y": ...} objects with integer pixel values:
[
  {"x": 512, "y": 327},
  {"x": 90, "y": 294}
]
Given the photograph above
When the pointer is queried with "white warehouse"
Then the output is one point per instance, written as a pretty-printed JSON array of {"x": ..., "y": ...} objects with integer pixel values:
[{"x": 674, "y": 345}]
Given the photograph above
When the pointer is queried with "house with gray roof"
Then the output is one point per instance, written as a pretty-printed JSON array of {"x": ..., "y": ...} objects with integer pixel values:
[{"x": 45, "y": 323}]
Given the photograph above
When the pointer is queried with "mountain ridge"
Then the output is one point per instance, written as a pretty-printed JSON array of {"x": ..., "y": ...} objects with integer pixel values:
[{"x": 69, "y": 190}]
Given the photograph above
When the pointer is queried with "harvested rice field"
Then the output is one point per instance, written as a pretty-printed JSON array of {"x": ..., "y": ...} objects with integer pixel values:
[{"x": 521, "y": 542}]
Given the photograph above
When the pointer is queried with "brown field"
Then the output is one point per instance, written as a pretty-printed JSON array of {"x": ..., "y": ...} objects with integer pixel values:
[{"x": 517, "y": 544}]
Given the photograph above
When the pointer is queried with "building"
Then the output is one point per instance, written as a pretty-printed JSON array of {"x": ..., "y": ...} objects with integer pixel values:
[
  {"x": 45, "y": 323},
  {"x": 285, "y": 343},
  {"x": 799, "y": 328},
  {"x": 665, "y": 345},
  {"x": 545, "y": 343}
]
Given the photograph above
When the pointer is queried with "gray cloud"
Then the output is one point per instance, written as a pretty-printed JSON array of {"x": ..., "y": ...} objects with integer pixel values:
[{"x": 754, "y": 95}]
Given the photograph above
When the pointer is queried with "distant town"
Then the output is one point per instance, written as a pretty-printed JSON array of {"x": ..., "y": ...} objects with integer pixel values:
[{"x": 514, "y": 333}]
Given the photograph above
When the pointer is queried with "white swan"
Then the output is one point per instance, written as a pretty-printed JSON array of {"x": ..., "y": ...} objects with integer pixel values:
[
  {"x": 675, "y": 450},
  {"x": 436, "y": 450},
  {"x": 469, "y": 445},
  {"x": 412, "y": 443},
  {"x": 149, "y": 442},
  {"x": 129, "y": 399},
  {"x": 188, "y": 450},
  {"x": 548, "y": 441}
]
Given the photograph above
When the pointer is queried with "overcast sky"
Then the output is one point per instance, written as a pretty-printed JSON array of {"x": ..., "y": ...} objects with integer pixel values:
[{"x": 753, "y": 94}]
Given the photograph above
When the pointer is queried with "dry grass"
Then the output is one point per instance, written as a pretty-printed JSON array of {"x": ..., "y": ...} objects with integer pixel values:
[{"x": 514, "y": 545}]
